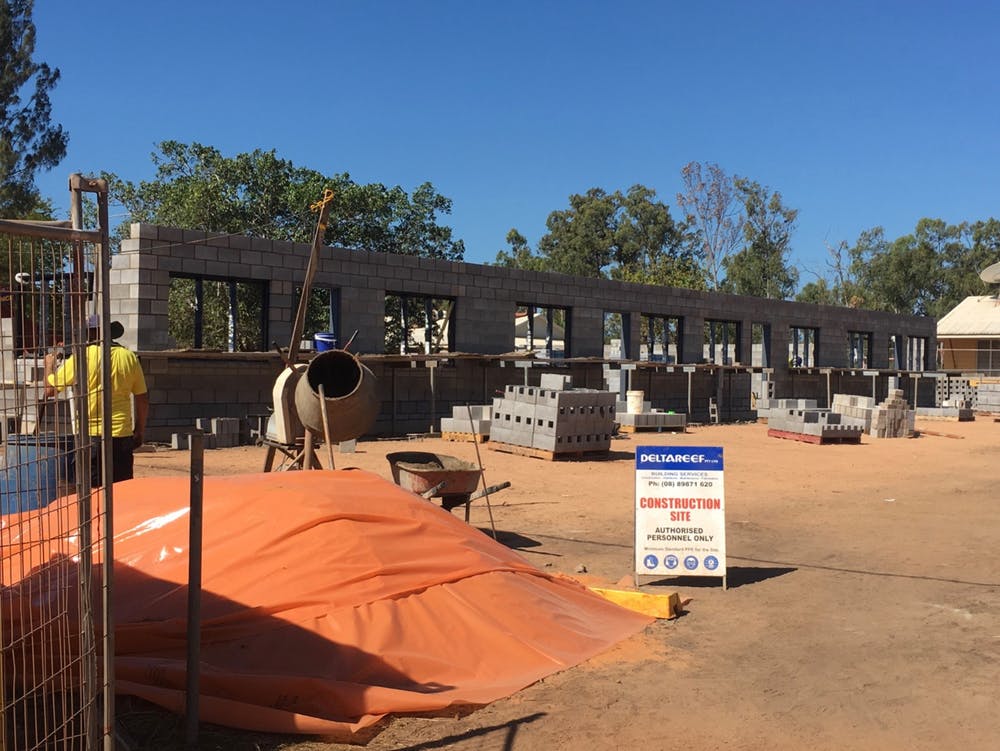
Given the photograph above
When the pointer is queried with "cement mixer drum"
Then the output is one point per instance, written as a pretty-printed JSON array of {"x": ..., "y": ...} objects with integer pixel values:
[{"x": 349, "y": 388}]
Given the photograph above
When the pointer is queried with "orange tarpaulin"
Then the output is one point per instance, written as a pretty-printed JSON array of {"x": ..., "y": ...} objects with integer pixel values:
[{"x": 331, "y": 598}]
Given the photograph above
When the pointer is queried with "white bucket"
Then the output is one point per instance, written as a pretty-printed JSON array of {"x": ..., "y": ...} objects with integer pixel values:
[{"x": 634, "y": 400}]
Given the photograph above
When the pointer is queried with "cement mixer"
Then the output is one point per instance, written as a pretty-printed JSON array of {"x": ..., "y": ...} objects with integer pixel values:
[{"x": 331, "y": 397}]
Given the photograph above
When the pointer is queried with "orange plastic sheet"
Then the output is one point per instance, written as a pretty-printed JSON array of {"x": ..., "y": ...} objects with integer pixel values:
[{"x": 331, "y": 599}]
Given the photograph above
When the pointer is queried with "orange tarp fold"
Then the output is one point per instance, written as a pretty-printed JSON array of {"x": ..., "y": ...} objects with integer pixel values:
[{"x": 330, "y": 599}]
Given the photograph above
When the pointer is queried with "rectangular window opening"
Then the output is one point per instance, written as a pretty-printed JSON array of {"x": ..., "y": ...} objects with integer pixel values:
[
  {"x": 417, "y": 324},
  {"x": 222, "y": 314}
]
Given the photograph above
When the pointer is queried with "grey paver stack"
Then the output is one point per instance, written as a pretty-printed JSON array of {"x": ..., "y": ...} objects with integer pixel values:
[
  {"x": 649, "y": 418},
  {"x": 988, "y": 395},
  {"x": 461, "y": 422},
  {"x": 821, "y": 423},
  {"x": 560, "y": 420},
  {"x": 858, "y": 407},
  {"x": 893, "y": 418},
  {"x": 950, "y": 409},
  {"x": 766, "y": 405}
]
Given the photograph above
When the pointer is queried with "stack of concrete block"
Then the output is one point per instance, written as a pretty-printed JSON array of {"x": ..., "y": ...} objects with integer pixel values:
[
  {"x": 954, "y": 388},
  {"x": 556, "y": 420},
  {"x": 219, "y": 433},
  {"x": 766, "y": 406},
  {"x": 988, "y": 396},
  {"x": 649, "y": 418},
  {"x": 893, "y": 418},
  {"x": 950, "y": 409},
  {"x": 820, "y": 423},
  {"x": 858, "y": 407},
  {"x": 461, "y": 422}
]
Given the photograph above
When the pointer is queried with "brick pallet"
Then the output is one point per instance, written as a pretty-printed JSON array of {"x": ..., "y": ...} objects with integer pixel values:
[
  {"x": 652, "y": 429},
  {"x": 552, "y": 456},
  {"x": 817, "y": 439},
  {"x": 459, "y": 437}
]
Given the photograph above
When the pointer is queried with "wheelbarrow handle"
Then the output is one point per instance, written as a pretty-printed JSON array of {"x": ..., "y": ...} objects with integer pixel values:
[
  {"x": 429, "y": 493},
  {"x": 488, "y": 491}
]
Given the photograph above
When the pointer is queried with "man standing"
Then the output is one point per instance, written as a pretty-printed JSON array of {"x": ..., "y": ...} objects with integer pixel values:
[{"x": 127, "y": 381}]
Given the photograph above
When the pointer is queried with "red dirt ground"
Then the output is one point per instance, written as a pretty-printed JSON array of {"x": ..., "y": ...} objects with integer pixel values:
[{"x": 863, "y": 609}]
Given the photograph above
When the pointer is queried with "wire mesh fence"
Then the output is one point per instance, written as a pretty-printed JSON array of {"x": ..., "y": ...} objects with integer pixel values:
[{"x": 53, "y": 518}]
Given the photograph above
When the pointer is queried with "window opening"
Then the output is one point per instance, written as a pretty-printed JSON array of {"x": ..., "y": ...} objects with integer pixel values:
[
  {"x": 661, "y": 338},
  {"x": 803, "y": 347},
  {"x": 721, "y": 338},
  {"x": 541, "y": 328},
  {"x": 616, "y": 336},
  {"x": 417, "y": 324},
  {"x": 224, "y": 314},
  {"x": 859, "y": 348}
]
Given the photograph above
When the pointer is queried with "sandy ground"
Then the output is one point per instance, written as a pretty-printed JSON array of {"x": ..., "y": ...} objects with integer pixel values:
[{"x": 863, "y": 609}]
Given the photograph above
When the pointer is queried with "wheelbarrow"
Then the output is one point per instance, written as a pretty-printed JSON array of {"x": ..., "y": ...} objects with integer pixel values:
[{"x": 431, "y": 475}]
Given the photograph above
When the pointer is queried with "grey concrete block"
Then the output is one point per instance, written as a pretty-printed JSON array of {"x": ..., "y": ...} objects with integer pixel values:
[{"x": 555, "y": 381}]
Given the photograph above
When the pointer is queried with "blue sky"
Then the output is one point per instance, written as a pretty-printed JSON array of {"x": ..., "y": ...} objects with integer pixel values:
[{"x": 859, "y": 113}]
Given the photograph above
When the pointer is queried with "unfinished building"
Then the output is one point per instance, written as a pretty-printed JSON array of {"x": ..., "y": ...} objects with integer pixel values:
[{"x": 438, "y": 333}]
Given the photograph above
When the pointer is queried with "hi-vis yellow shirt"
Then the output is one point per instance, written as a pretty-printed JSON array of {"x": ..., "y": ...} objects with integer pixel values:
[{"x": 126, "y": 379}]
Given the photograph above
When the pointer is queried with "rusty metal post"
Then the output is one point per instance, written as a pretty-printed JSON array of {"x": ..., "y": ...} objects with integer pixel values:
[
  {"x": 191, "y": 713},
  {"x": 300, "y": 316}
]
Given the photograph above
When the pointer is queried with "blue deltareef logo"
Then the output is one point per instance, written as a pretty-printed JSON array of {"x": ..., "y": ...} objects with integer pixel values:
[{"x": 679, "y": 457}]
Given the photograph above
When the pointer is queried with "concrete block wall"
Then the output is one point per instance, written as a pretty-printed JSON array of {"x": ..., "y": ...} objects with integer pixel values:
[
  {"x": 486, "y": 298},
  {"x": 187, "y": 387}
]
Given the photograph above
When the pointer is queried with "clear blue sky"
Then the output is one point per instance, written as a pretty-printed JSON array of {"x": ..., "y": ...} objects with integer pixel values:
[{"x": 860, "y": 113}]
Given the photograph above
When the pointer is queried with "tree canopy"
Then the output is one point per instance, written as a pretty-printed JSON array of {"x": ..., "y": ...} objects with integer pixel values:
[
  {"x": 926, "y": 272},
  {"x": 629, "y": 236},
  {"x": 29, "y": 141},
  {"x": 260, "y": 194},
  {"x": 715, "y": 213},
  {"x": 762, "y": 268}
]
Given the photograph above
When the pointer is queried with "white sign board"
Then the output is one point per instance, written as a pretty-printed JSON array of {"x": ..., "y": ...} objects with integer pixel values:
[{"x": 680, "y": 512}]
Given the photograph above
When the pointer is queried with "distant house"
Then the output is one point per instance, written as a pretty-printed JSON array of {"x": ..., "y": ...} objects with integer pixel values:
[{"x": 969, "y": 336}]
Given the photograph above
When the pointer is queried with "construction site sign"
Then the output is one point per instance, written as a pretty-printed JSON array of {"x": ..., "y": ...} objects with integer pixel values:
[{"x": 680, "y": 512}]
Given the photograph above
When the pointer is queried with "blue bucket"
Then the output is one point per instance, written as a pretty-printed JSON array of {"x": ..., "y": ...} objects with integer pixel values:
[
  {"x": 325, "y": 341},
  {"x": 36, "y": 467}
]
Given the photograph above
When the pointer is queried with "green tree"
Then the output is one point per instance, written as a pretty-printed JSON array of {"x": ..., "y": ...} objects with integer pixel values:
[
  {"x": 715, "y": 214},
  {"x": 29, "y": 141},
  {"x": 761, "y": 268},
  {"x": 629, "y": 236},
  {"x": 260, "y": 194},
  {"x": 933, "y": 269},
  {"x": 520, "y": 255},
  {"x": 818, "y": 292}
]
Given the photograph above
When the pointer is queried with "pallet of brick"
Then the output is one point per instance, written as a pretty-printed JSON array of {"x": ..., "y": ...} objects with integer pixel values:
[
  {"x": 553, "y": 421},
  {"x": 858, "y": 407},
  {"x": 961, "y": 412},
  {"x": 537, "y": 453},
  {"x": 893, "y": 417},
  {"x": 988, "y": 396},
  {"x": 814, "y": 426},
  {"x": 467, "y": 424},
  {"x": 766, "y": 405},
  {"x": 650, "y": 421}
]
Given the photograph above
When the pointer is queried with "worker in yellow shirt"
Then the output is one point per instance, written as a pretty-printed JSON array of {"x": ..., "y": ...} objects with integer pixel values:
[{"x": 127, "y": 382}]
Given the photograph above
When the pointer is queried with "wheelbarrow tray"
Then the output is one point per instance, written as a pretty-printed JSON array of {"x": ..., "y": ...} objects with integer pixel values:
[{"x": 420, "y": 471}]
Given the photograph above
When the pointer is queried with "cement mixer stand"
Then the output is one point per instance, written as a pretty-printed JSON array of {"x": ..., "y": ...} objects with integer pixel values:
[
  {"x": 285, "y": 432},
  {"x": 332, "y": 398}
]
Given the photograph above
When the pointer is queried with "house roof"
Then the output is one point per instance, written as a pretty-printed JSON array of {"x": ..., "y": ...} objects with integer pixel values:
[{"x": 973, "y": 317}]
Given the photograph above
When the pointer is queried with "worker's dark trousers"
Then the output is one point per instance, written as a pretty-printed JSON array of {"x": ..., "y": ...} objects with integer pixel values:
[{"x": 121, "y": 449}]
